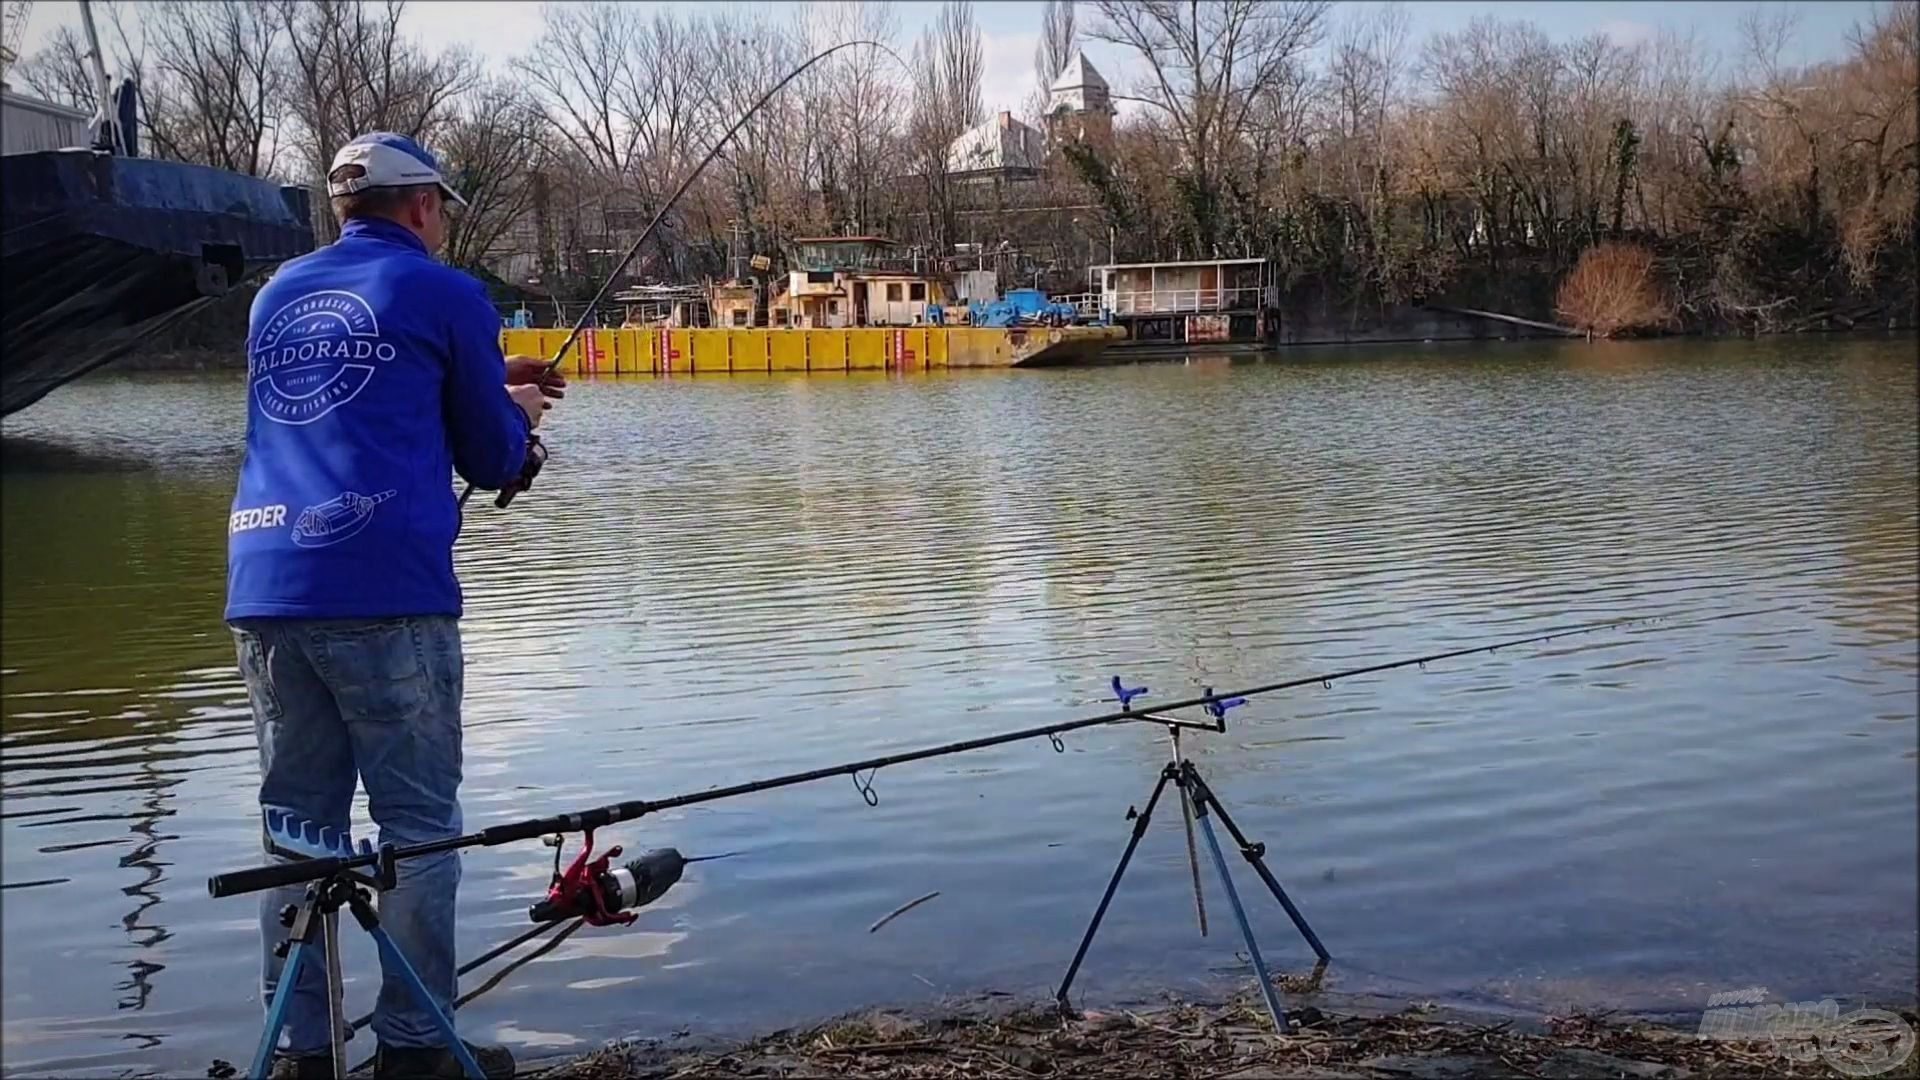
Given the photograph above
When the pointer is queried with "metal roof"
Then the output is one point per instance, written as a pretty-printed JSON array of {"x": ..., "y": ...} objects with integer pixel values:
[
  {"x": 1079, "y": 72},
  {"x": 1001, "y": 143},
  {"x": 1187, "y": 262},
  {"x": 841, "y": 240}
]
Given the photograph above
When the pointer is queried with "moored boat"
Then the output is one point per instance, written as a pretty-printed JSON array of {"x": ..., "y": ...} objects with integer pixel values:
[
  {"x": 849, "y": 303},
  {"x": 100, "y": 248}
]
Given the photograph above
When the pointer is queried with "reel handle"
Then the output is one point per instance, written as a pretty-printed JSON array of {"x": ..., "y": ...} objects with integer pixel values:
[{"x": 530, "y": 468}]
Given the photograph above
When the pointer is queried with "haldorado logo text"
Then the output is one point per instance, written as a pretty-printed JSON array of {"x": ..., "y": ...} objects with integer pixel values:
[{"x": 314, "y": 355}]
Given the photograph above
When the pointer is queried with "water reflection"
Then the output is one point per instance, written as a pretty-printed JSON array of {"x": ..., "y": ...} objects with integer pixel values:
[
  {"x": 143, "y": 934},
  {"x": 724, "y": 578}
]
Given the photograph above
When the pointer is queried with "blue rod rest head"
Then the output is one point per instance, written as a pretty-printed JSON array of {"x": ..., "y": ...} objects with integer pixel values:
[
  {"x": 1125, "y": 694},
  {"x": 1219, "y": 707}
]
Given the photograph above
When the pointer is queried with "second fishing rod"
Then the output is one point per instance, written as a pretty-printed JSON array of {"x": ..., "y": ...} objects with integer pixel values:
[{"x": 268, "y": 877}]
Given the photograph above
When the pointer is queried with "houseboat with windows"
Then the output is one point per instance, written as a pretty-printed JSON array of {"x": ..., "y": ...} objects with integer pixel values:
[
  {"x": 1202, "y": 304},
  {"x": 846, "y": 281}
]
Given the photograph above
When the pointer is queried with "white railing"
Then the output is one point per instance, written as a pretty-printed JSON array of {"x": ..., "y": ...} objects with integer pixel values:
[
  {"x": 1087, "y": 303},
  {"x": 1173, "y": 301}
]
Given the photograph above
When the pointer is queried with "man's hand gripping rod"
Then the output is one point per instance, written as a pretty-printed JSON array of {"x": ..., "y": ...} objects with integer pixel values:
[{"x": 536, "y": 452}]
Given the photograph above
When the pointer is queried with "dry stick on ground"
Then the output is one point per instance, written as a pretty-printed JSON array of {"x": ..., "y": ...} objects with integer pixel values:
[{"x": 902, "y": 910}]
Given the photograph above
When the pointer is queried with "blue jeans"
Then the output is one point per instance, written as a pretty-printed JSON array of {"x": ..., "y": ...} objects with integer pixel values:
[{"x": 379, "y": 699}]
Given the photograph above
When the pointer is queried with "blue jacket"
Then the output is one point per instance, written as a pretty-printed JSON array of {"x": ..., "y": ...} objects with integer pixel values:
[{"x": 373, "y": 373}]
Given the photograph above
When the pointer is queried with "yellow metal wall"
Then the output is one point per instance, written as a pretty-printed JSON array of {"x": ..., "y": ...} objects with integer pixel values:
[
  {"x": 866, "y": 351},
  {"x": 638, "y": 350},
  {"x": 787, "y": 350},
  {"x": 646, "y": 353},
  {"x": 826, "y": 350},
  {"x": 750, "y": 351},
  {"x": 709, "y": 350}
]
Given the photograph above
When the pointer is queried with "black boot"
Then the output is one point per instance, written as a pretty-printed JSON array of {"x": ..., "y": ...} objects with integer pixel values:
[{"x": 438, "y": 1062}]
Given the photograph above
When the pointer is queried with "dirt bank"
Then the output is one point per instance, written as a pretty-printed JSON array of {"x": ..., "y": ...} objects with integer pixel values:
[{"x": 1235, "y": 1041}]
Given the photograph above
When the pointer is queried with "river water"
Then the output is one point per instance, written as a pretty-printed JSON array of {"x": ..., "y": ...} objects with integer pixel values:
[{"x": 720, "y": 579}]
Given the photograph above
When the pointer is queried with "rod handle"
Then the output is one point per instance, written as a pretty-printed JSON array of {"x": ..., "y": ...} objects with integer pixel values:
[
  {"x": 272, "y": 877},
  {"x": 526, "y": 830},
  {"x": 579, "y": 821}
]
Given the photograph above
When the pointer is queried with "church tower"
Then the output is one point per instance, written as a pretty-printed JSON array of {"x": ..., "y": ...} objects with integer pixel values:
[{"x": 1080, "y": 105}]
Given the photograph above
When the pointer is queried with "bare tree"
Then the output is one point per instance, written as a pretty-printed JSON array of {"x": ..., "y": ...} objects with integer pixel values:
[
  {"x": 61, "y": 72},
  {"x": 1597, "y": 139},
  {"x": 490, "y": 150},
  {"x": 1056, "y": 43},
  {"x": 1364, "y": 73},
  {"x": 1880, "y": 173},
  {"x": 58, "y": 71},
  {"x": 856, "y": 142},
  {"x": 633, "y": 98},
  {"x": 353, "y": 72},
  {"x": 1210, "y": 62},
  {"x": 1679, "y": 101},
  {"x": 1785, "y": 99},
  {"x": 946, "y": 103},
  {"x": 961, "y": 63},
  {"x": 218, "y": 85},
  {"x": 764, "y": 183},
  {"x": 575, "y": 71}
]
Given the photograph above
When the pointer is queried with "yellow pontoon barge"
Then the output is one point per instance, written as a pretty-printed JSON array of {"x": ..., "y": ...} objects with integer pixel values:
[{"x": 723, "y": 350}]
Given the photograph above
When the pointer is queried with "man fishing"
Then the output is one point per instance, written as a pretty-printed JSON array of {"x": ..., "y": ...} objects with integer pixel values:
[{"x": 374, "y": 373}]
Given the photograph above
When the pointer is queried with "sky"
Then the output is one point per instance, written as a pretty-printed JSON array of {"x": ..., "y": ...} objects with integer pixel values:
[{"x": 498, "y": 30}]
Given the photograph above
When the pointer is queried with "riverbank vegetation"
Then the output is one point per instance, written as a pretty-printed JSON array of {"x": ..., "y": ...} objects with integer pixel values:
[
  {"x": 1476, "y": 166},
  {"x": 1615, "y": 288}
]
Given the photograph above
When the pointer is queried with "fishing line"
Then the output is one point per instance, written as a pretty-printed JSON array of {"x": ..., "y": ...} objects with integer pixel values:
[
  {"x": 507, "y": 493},
  {"x": 483, "y": 958}
]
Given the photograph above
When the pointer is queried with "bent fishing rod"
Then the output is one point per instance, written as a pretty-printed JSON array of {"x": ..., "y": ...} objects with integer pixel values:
[
  {"x": 268, "y": 877},
  {"x": 536, "y": 452}
]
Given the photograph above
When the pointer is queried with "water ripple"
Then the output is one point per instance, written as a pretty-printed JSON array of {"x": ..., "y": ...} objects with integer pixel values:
[{"x": 720, "y": 579}]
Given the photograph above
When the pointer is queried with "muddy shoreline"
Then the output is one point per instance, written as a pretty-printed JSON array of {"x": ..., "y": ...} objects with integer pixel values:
[{"x": 1000, "y": 1036}]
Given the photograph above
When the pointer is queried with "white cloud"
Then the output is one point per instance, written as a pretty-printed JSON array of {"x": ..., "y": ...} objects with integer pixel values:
[
  {"x": 1006, "y": 79},
  {"x": 1627, "y": 32},
  {"x": 495, "y": 33}
]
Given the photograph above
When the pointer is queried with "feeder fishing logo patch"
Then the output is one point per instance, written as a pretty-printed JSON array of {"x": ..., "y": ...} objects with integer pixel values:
[
  {"x": 315, "y": 355},
  {"x": 330, "y": 522}
]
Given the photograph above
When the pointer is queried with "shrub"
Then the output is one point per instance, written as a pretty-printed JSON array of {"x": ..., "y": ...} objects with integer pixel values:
[{"x": 1612, "y": 289}]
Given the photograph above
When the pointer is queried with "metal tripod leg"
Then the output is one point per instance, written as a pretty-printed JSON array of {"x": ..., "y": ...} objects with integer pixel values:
[
  {"x": 1167, "y": 775},
  {"x": 1186, "y": 822},
  {"x": 1255, "y": 854},
  {"x": 277, "y": 1015},
  {"x": 305, "y": 923},
  {"x": 1239, "y": 914},
  {"x": 394, "y": 959},
  {"x": 336, "y": 993}
]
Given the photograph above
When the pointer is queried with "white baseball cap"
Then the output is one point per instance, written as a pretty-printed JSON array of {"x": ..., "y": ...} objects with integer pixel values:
[{"x": 389, "y": 160}]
